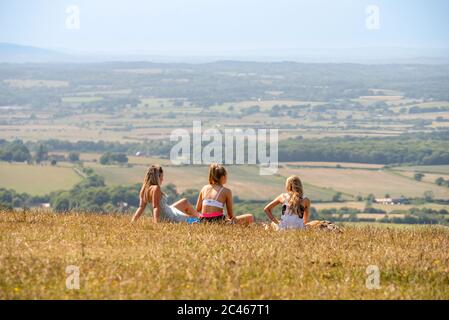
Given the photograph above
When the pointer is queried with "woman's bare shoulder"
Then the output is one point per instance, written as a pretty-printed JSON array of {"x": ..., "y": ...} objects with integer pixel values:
[
  {"x": 205, "y": 188},
  {"x": 226, "y": 190},
  {"x": 150, "y": 189},
  {"x": 306, "y": 202},
  {"x": 155, "y": 188}
]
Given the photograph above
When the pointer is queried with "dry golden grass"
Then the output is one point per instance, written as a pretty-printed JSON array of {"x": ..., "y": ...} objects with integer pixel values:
[{"x": 146, "y": 261}]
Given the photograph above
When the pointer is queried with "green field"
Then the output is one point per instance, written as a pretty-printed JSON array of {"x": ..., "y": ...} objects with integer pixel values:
[{"x": 36, "y": 179}]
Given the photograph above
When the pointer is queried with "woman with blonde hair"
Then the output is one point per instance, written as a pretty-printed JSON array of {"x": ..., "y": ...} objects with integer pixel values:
[
  {"x": 180, "y": 211},
  {"x": 295, "y": 206},
  {"x": 215, "y": 196}
]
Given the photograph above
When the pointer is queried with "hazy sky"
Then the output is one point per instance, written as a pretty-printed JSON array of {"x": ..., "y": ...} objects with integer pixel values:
[{"x": 210, "y": 26}]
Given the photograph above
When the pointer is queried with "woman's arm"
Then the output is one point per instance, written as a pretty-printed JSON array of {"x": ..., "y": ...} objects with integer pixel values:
[
  {"x": 269, "y": 208},
  {"x": 141, "y": 208},
  {"x": 306, "y": 210},
  {"x": 199, "y": 202},
  {"x": 156, "y": 201},
  {"x": 229, "y": 205}
]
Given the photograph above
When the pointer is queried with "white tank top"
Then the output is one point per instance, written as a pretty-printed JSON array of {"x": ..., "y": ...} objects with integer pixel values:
[
  {"x": 289, "y": 220},
  {"x": 214, "y": 202}
]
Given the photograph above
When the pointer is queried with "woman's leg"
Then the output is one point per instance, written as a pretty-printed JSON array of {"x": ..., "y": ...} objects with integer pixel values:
[
  {"x": 313, "y": 224},
  {"x": 185, "y": 206},
  {"x": 245, "y": 219}
]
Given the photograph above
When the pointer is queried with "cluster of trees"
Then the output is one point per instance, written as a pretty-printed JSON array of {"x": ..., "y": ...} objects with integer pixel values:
[
  {"x": 250, "y": 110},
  {"x": 417, "y": 219},
  {"x": 18, "y": 151},
  {"x": 11, "y": 199},
  {"x": 412, "y": 216},
  {"x": 109, "y": 104},
  {"x": 14, "y": 151},
  {"x": 112, "y": 158},
  {"x": 420, "y": 149},
  {"x": 442, "y": 182},
  {"x": 419, "y": 176},
  {"x": 422, "y": 211},
  {"x": 92, "y": 195},
  {"x": 350, "y": 211},
  {"x": 415, "y": 110},
  {"x": 153, "y": 147},
  {"x": 275, "y": 111}
]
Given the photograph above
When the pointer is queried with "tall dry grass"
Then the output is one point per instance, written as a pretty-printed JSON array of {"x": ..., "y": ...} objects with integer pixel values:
[{"x": 146, "y": 261}]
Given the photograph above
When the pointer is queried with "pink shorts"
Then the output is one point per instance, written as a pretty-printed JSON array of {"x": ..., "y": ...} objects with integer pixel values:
[{"x": 212, "y": 217}]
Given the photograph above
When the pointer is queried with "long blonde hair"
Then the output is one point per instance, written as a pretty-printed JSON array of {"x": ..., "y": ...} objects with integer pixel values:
[
  {"x": 216, "y": 172},
  {"x": 152, "y": 178},
  {"x": 296, "y": 192}
]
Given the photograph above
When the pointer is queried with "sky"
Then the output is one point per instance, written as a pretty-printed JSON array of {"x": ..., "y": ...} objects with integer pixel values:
[{"x": 219, "y": 26}]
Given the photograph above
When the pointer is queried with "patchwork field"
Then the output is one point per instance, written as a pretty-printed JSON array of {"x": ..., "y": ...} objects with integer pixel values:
[
  {"x": 321, "y": 180},
  {"x": 348, "y": 165},
  {"x": 365, "y": 182},
  {"x": 245, "y": 181},
  {"x": 117, "y": 260},
  {"x": 428, "y": 177},
  {"x": 31, "y": 83},
  {"x": 144, "y": 161},
  {"x": 442, "y": 169},
  {"x": 360, "y": 205}
]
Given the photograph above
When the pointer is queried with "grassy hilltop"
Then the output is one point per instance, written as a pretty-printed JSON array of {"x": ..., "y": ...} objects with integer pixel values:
[{"x": 146, "y": 261}]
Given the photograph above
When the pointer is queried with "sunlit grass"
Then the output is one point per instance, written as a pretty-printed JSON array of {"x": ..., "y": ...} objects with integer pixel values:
[{"x": 173, "y": 261}]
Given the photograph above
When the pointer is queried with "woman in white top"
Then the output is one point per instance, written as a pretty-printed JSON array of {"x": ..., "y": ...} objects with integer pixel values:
[
  {"x": 215, "y": 196},
  {"x": 295, "y": 206}
]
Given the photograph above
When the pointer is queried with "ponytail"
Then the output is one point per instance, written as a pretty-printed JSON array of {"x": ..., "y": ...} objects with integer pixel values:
[
  {"x": 216, "y": 172},
  {"x": 296, "y": 193}
]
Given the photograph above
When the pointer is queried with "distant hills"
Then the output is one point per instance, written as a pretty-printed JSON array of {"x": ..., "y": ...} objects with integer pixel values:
[{"x": 16, "y": 53}]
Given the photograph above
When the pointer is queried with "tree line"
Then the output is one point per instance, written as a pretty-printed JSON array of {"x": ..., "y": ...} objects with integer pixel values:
[
  {"x": 89, "y": 195},
  {"x": 417, "y": 148},
  {"x": 424, "y": 149}
]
